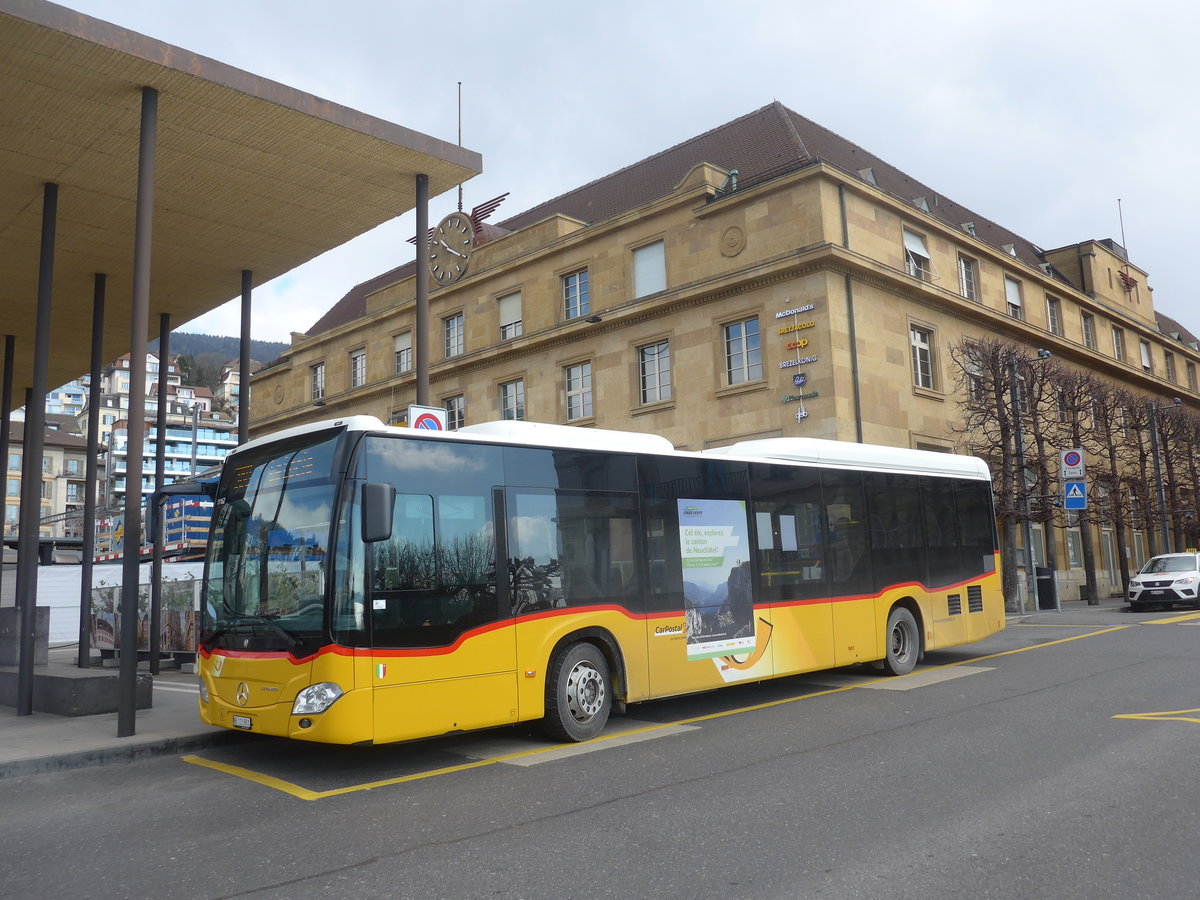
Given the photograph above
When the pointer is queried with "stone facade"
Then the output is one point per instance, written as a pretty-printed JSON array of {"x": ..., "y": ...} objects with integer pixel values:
[{"x": 818, "y": 257}]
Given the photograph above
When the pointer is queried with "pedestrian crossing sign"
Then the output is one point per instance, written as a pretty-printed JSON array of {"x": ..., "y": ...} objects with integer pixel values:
[{"x": 1075, "y": 495}]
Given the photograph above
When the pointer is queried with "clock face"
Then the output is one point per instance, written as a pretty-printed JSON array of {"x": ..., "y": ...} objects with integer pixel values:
[{"x": 450, "y": 248}]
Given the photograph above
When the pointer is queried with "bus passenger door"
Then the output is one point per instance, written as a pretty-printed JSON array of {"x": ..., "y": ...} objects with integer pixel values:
[{"x": 441, "y": 658}]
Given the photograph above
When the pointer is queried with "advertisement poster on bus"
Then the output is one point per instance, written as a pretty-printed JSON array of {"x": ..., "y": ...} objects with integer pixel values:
[{"x": 714, "y": 548}]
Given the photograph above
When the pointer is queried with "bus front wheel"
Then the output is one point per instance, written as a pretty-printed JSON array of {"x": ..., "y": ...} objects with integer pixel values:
[
  {"x": 578, "y": 694},
  {"x": 903, "y": 642}
]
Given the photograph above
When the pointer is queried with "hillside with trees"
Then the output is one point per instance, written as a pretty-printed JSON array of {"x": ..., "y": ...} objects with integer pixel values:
[{"x": 202, "y": 356}]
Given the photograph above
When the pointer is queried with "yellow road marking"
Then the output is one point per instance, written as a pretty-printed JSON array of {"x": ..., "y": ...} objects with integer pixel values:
[
  {"x": 1171, "y": 620},
  {"x": 306, "y": 794},
  {"x": 1178, "y": 715}
]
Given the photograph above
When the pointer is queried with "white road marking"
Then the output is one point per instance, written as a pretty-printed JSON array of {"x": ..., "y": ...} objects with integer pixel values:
[
  {"x": 925, "y": 677},
  {"x": 499, "y": 747}
]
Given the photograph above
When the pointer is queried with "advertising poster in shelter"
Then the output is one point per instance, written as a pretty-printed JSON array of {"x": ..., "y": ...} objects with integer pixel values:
[{"x": 714, "y": 548}]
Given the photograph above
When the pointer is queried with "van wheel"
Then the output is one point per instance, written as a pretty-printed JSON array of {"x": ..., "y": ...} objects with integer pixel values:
[
  {"x": 903, "y": 642},
  {"x": 578, "y": 694}
]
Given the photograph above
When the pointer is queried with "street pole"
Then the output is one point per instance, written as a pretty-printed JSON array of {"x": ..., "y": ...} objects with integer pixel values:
[
  {"x": 1022, "y": 492},
  {"x": 1164, "y": 532}
]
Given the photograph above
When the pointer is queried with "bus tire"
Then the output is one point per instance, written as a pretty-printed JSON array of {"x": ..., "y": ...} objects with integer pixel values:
[
  {"x": 578, "y": 694},
  {"x": 903, "y": 642}
]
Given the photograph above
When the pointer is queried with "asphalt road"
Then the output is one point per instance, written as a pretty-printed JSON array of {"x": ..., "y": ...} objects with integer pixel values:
[{"x": 1052, "y": 760}]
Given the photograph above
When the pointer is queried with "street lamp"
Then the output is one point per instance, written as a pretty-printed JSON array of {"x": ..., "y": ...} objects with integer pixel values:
[
  {"x": 1164, "y": 532},
  {"x": 1019, "y": 482}
]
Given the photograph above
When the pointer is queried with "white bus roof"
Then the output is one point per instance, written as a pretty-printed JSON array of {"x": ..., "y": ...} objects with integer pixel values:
[
  {"x": 541, "y": 434},
  {"x": 846, "y": 453}
]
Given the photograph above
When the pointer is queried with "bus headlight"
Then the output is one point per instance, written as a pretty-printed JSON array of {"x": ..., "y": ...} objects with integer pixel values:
[
  {"x": 203, "y": 691},
  {"x": 316, "y": 698}
]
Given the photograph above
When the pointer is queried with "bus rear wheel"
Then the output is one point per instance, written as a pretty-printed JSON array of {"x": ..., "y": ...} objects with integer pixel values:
[
  {"x": 578, "y": 694},
  {"x": 903, "y": 642}
]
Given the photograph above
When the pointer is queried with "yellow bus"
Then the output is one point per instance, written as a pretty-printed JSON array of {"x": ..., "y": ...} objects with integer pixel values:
[{"x": 369, "y": 584}]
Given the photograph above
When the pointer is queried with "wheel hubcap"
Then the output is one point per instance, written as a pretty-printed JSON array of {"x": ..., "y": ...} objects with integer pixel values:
[
  {"x": 585, "y": 691},
  {"x": 901, "y": 643}
]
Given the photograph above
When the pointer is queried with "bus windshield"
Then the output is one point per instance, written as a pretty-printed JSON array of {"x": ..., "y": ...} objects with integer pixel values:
[{"x": 267, "y": 557}]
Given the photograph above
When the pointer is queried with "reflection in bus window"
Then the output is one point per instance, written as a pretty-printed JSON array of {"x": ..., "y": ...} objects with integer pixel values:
[{"x": 571, "y": 548}]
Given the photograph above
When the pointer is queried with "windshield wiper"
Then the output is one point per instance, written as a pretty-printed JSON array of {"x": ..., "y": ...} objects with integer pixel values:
[{"x": 292, "y": 641}]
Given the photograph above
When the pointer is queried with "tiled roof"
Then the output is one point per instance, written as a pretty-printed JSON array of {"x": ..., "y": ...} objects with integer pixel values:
[
  {"x": 763, "y": 144},
  {"x": 1169, "y": 326}
]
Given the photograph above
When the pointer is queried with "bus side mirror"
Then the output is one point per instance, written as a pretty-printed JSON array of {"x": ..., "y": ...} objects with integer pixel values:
[{"x": 378, "y": 504}]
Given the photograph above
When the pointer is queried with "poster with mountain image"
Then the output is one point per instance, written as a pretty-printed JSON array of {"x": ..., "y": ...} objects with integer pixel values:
[{"x": 714, "y": 548}]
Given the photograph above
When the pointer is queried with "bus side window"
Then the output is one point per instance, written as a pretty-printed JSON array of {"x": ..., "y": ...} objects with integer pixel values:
[{"x": 572, "y": 548}]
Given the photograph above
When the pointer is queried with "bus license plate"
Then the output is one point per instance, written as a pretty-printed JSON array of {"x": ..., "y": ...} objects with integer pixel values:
[{"x": 241, "y": 722}]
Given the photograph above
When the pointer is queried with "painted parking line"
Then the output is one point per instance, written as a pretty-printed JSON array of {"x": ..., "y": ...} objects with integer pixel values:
[
  {"x": 621, "y": 734},
  {"x": 178, "y": 688}
]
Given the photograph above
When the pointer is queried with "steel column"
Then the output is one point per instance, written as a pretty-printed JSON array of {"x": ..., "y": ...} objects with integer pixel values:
[
  {"x": 34, "y": 445},
  {"x": 421, "y": 329},
  {"x": 139, "y": 323},
  {"x": 160, "y": 473},
  {"x": 5, "y": 424},
  {"x": 244, "y": 362},
  {"x": 92, "y": 474}
]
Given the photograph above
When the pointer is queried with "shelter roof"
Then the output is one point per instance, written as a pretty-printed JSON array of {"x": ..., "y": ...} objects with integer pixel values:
[{"x": 251, "y": 174}]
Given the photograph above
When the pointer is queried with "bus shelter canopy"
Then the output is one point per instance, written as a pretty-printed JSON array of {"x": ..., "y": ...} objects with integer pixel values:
[{"x": 250, "y": 175}]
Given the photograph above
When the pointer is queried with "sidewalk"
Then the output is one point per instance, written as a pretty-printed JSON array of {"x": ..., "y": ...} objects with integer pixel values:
[{"x": 43, "y": 742}]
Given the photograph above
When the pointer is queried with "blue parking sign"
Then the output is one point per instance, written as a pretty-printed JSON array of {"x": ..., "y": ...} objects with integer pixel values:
[{"x": 1074, "y": 495}]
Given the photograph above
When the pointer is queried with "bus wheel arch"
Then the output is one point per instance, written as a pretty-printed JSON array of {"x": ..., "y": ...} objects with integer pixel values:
[
  {"x": 903, "y": 638},
  {"x": 582, "y": 678}
]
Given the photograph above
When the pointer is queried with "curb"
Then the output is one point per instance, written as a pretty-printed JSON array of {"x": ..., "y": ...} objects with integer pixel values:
[{"x": 102, "y": 756}]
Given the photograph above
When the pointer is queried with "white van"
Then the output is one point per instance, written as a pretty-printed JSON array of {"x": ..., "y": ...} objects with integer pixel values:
[{"x": 1166, "y": 580}]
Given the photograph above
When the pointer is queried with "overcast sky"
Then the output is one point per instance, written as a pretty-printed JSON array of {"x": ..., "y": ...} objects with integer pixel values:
[{"x": 1036, "y": 115}]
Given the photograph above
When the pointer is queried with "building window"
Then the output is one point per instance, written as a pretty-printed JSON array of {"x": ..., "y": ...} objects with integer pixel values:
[
  {"x": 510, "y": 315},
  {"x": 47, "y": 490},
  {"x": 916, "y": 256},
  {"x": 108, "y": 419},
  {"x": 72, "y": 467},
  {"x": 976, "y": 387},
  {"x": 575, "y": 294},
  {"x": 73, "y": 494},
  {"x": 654, "y": 369},
  {"x": 318, "y": 385},
  {"x": 14, "y": 462},
  {"x": 1191, "y": 375},
  {"x": 1089, "y": 330},
  {"x": 456, "y": 412},
  {"x": 579, "y": 390},
  {"x": 1012, "y": 296},
  {"x": 1074, "y": 542},
  {"x": 402, "y": 350},
  {"x": 649, "y": 269},
  {"x": 968, "y": 278},
  {"x": 1147, "y": 360},
  {"x": 1169, "y": 365},
  {"x": 743, "y": 355},
  {"x": 1054, "y": 315},
  {"x": 922, "y": 356},
  {"x": 512, "y": 400},
  {"x": 358, "y": 368},
  {"x": 1118, "y": 337},
  {"x": 452, "y": 331},
  {"x": 14, "y": 487}
]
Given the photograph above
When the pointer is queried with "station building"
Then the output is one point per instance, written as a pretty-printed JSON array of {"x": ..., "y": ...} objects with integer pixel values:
[{"x": 768, "y": 278}]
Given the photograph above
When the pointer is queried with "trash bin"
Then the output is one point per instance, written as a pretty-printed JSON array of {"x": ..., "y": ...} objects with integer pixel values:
[{"x": 1045, "y": 588}]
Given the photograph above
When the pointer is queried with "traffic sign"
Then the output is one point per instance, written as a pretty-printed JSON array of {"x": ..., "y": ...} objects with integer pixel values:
[
  {"x": 1070, "y": 464},
  {"x": 428, "y": 418},
  {"x": 1075, "y": 495}
]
